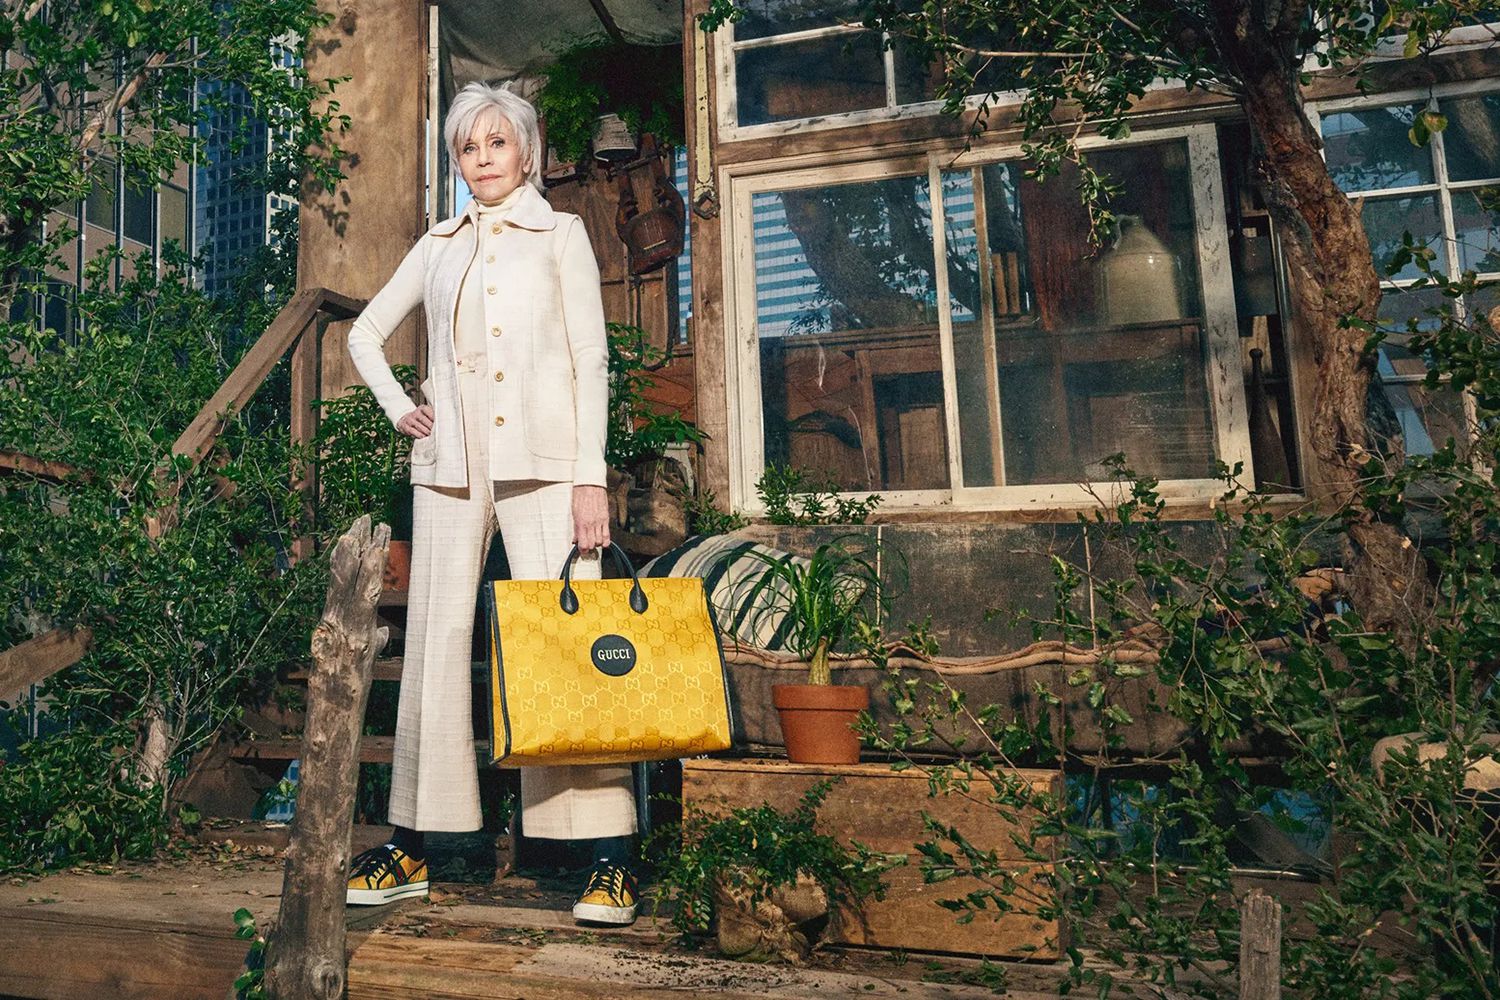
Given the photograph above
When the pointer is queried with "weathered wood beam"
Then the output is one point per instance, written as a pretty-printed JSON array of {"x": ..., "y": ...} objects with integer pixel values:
[
  {"x": 16, "y": 462},
  {"x": 608, "y": 20},
  {"x": 1260, "y": 947},
  {"x": 305, "y": 951},
  {"x": 341, "y": 306},
  {"x": 34, "y": 660},
  {"x": 248, "y": 375}
]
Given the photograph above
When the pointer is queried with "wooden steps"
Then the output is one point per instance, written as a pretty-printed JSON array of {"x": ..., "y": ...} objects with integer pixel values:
[
  {"x": 388, "y": 668},
  {"x": 385, "y": 668},
  {"x": 165, "y": 932},
  {"x": 372, "y": 750}
]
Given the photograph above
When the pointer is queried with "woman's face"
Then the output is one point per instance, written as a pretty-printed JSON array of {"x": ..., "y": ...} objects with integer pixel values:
[{"x": 490, "y": 159}]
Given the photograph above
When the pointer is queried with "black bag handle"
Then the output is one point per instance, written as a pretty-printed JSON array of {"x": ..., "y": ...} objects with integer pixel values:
[{"x": 568, "y": 599}]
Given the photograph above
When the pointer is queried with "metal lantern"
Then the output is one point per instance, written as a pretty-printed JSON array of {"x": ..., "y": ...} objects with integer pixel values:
[{"x": 612, "y": 139}]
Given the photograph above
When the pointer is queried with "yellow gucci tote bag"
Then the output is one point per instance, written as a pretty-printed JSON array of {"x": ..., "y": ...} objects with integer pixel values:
[{"x": 604, "y": 671}]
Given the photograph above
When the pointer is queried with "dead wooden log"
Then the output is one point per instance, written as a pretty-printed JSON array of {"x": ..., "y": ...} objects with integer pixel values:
[
  {"x": 305, "y": 955},
  {"x": 1260, "y": 947},
  {"x": 34, "y": 660}
]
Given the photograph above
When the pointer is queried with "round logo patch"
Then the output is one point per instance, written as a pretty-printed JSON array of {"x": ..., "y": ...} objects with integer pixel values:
[{"x": 613, "y": 655}]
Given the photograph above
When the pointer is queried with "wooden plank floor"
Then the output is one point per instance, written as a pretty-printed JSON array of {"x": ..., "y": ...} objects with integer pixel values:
[{"x": 165, "y": 930}]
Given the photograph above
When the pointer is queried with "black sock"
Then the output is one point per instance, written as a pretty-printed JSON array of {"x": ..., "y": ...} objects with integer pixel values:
[
  {"x": 616, "y": 849},
  {"x": 409, "y": 841}
]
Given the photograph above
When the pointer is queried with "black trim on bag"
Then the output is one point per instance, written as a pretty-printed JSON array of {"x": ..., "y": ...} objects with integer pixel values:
[
  {"x": 497, "y": 678},
  {"x": 723, "y": 668}
]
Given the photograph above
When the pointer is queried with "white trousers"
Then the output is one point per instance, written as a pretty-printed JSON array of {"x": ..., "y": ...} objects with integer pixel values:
[{"x": 434, "y": 784}]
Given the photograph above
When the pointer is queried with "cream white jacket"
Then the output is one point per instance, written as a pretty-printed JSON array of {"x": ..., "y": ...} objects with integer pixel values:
[{"x": 540, "y": 284}]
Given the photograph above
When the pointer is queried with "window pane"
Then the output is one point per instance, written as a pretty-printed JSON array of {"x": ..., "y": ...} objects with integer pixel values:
[
  {"x": 779, "y": 17},
  {"x": 846, "y": 317},
  {"x": 101, "y": 200},
  {"x": 1368, "y": 149},
  {"x": 174, "y": 215},
  {"x": 1398, "y": 309},
  {"x": 1484, "y": 303},
  {"x": 1478, "y": 231},
  {"x": 1424, "y": 418},
  {"x": 137, "y": 213},
  {"x": 822, "y": 76},
  {"x": 1073, "y": 354},
  {"x": 917, "y": 80},
  {"x": 1471, "y": 142},
  {"x": 57, "y": 309},
  {"x": 1387, "y": 219}
]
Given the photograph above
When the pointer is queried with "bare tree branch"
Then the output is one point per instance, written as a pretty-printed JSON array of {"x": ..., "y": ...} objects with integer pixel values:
[{"x": 118, "y": 101}]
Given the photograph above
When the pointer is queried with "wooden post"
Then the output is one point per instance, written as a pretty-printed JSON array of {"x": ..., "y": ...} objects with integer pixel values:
[
  {"x": 305, "y": 950},
  {"x": 305, "y": 419},
  {"x": 354, "y": 236},
  {"x": 1260, "y": 947}
]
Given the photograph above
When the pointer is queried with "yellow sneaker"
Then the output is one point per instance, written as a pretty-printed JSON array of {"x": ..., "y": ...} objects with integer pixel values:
[
  {"x": 609, "y": 897},
  {"x": 383, "y": 874}
]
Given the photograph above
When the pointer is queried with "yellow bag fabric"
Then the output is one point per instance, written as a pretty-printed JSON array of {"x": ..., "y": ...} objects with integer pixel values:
[{"x": 634, "y": 672}]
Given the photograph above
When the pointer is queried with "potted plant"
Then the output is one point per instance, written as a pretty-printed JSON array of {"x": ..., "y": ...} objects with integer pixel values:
[
  {"x": 764, "y": 880},
  {"x": 364, "y": 467},
  {"x": 641, "y": 84},
  {"x": 825, "y": 601},
  {"x": 650, "y": 485}
]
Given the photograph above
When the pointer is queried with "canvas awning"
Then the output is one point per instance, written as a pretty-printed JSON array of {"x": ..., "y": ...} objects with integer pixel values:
[{"x": 494, "y": 40}]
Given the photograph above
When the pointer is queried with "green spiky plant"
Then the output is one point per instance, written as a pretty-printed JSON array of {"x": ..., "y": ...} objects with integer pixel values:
[{"x": 828, "y": 600}]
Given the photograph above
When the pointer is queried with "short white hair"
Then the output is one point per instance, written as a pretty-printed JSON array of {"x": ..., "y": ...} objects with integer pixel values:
[{"x": 476, "y": 102}]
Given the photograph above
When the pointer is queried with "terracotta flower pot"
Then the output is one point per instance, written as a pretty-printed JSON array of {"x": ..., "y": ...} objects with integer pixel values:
[
  {"x": 816, "y": 721},
  {"x": 397, "y": 567}
]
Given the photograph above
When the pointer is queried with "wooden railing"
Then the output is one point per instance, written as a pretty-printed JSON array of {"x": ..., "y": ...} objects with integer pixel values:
[{"x": 296, "y": 329}]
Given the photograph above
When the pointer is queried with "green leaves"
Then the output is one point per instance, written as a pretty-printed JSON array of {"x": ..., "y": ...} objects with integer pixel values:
[
  {"x": 143, "y": 61},
  {"x": 1428, "y": 122},
  {"x": 759, "y": 847},
  {"x": 244, "y": 924},
  {"x": 69, "y": 798},
  {"x": 638, "y": 429},
  {"x": 828, "y": 601},
  {"x": 797, "y": 496}
]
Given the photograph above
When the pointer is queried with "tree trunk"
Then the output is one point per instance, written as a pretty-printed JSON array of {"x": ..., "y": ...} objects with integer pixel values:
[
  {"x": 1332, "y": 274},
  {"x": 305, "y": 957}
]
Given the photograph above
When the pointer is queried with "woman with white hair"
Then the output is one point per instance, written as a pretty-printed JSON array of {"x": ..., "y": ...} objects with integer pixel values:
[{"x": 509, "y": 437}]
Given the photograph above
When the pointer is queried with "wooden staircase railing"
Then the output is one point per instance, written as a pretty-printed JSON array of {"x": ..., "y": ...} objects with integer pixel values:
[{"x": 295, "y": 328}]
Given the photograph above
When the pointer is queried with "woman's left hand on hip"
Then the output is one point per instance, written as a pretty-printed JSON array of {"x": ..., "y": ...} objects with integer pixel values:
[{"x": 590, "y": 517}]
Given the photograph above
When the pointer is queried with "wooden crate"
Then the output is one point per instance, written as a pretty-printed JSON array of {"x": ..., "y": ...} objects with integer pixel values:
[{"x": 883, "y": 809}]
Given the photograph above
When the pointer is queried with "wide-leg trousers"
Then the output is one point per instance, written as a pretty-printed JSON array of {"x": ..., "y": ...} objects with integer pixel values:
[{"x": 434, "y": 784}]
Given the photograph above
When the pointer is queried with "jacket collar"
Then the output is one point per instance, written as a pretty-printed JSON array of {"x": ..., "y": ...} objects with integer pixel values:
[{"x": 531, "y": 211}]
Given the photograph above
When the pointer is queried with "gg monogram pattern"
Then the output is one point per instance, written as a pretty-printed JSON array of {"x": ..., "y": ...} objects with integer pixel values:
[{"x": 551, "y": 705}]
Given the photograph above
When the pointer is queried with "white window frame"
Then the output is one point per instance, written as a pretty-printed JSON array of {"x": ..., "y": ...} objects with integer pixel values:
[
  {"x": 1440, "y": 185},
  {"x": 1392, "y": 48},
  {"x": 726, "y": 48},
  {"x": 1223, "y": 365}
]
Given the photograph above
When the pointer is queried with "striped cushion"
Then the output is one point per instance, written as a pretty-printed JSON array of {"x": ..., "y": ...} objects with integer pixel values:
[{"x": 748, "y": 604}]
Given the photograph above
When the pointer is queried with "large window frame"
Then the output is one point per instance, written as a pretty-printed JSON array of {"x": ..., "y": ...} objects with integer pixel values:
[
  {"x": 1441, "y": 187},
  {"x": 1222, "y": 350}
]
